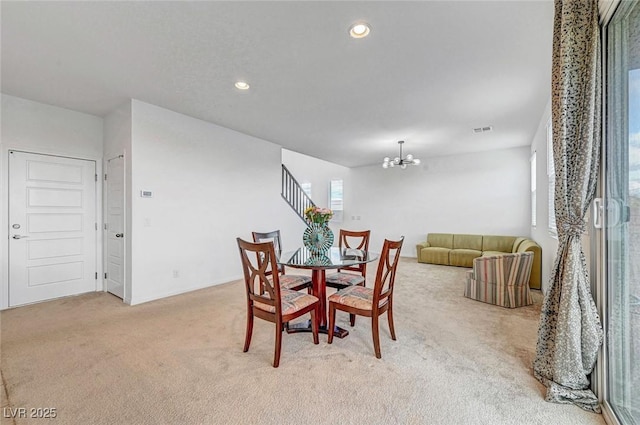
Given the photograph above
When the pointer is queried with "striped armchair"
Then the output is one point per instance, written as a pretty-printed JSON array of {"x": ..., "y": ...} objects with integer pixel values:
[{"x": 501, "y": 280}]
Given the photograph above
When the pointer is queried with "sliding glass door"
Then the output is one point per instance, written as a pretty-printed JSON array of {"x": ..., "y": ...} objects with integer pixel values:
[{"x": 622, "y": 216}]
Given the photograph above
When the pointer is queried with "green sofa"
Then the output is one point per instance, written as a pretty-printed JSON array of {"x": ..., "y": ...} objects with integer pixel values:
[{"x": 452, "y": 249}]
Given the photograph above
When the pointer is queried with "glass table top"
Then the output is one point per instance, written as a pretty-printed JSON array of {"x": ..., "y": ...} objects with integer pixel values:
[{"x": 334, "y": 258}]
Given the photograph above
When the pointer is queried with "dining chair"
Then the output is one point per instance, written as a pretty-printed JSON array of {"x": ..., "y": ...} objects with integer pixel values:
[
  {"x": 265, "y": 297},
  {"x": 371, "y": 302},
  {"x": 295, "y": 282},
  {"x": 350, "y": 275}
]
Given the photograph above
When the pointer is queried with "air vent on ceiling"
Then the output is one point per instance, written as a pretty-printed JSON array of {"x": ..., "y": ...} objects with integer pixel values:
[{"x": 483, "y": 129}]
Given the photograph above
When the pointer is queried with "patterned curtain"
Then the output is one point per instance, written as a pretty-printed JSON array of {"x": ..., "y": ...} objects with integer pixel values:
[{"x": 570, "y": 331}]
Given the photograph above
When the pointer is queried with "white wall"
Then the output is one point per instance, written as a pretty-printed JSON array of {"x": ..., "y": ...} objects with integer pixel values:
[
  {"x": 117, "y": 131},
  {"x": 541, "y": 233},
  {"x": 49, "y": 129},
  {"x": 319, "y": 173},
  {"x": 480, "y": 193},
  {"x": 210, "y": 185},
  {"x": 35, "y": 127}
]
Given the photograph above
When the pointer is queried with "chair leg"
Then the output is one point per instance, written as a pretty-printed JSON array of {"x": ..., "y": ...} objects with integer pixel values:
[
  {"x": 314, "y": 324},
  {"x": 352, "y": 317},
  {"x": 332, "y": 321},
  {"x": 390, "y": 318},
  {"x": 249, "y": 332},
  {"x": 375, "y": 328},
  {"x": 276, "y": 356}
]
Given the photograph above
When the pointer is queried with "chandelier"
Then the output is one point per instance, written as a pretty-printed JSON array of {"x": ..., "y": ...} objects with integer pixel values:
[{"x": 399, "y": 160}]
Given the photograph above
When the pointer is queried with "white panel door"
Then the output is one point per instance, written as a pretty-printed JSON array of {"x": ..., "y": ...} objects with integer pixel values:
[
  {"x": 114, "y": 226},
  {"x": 52, "y": 227}
]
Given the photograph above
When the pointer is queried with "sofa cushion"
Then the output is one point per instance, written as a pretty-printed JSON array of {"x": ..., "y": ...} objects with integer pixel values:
[
  {"x": 463, "y": 257},
  {"x": 517, "y": 243},
  {"x": 498, "y": 243},
  {"x": 442, "y": 240},
  {"x": 435, "y": 255},
  {"x": 467, "y": 242},
  {"x": 492, "y": 253}
]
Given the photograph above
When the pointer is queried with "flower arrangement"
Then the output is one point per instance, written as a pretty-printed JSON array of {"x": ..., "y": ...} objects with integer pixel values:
[{"x": 318, "y": 215}]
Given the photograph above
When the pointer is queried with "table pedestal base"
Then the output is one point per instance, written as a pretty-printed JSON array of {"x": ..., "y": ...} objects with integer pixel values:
[{"x": 338, "y": 332}]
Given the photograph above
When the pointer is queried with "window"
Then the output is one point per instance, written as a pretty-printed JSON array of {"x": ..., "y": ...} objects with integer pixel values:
[
  {"x": 551, "y": 177},
  {"x": 336, "y": 200},
  {"x": 306, "y": 188},
  {"x": 533, "y": 190},
  {"x": 622, "y": 225}
]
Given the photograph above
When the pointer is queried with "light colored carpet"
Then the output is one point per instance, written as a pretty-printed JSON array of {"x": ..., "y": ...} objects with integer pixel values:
[{"x": 180, "y": 361}]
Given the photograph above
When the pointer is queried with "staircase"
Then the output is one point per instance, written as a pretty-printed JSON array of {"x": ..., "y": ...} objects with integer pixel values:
[{"x": 294, "y": 195}]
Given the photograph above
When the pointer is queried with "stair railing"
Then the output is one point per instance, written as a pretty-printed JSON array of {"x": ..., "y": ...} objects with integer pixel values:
[{"x": 292, "y": 192}]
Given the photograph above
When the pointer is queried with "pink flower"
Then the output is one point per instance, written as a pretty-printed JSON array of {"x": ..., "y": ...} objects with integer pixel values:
[{"x": 318, "y": 215}]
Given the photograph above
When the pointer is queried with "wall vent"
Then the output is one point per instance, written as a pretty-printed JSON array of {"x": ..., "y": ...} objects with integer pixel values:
[{"x": 483, "y": 129}]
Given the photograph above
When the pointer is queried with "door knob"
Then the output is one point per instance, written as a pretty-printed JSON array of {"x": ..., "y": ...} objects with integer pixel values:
[
  {"x": 19, "y": 236},
  {"x": 119, "y": 235}
]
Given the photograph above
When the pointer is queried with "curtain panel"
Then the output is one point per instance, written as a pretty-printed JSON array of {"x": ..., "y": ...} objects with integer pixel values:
[{"x": 570, "y": 331}]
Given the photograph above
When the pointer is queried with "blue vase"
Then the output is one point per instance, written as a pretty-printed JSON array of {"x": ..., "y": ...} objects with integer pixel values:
[{"x": 317, "y": 237}]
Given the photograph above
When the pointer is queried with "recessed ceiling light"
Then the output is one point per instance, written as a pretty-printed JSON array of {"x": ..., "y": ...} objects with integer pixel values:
[
  {"x": 241, "y": 85},
  {"x": 359, "y": 30},
  {"x": 483, "y": 129}
]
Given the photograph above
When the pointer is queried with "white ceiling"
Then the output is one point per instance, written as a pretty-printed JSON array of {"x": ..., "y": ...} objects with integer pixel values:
[{"x": 429, "y": 72}]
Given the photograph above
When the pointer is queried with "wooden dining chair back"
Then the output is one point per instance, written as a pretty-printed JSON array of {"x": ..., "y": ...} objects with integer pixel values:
[
  {"x": 356, "y": 274},
  {"x": 270, "y": 237},
  {"x": 371, "y": 302},
  {"x": 294, "y": 282},
  {"x": 386, "y": 274},
  {"x": 265, "y": 297}
]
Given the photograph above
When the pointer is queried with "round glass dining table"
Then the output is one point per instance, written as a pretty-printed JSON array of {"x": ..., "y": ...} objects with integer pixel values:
[{"x": 334, "y": 258}]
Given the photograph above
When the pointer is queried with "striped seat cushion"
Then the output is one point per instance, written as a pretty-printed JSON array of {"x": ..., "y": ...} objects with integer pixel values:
[
  {"x": 292, "y": 301},
  {"x": 344, "y": 279},
  {"x": 355, "y": 296},
  {"x": 294, "y": 281}
]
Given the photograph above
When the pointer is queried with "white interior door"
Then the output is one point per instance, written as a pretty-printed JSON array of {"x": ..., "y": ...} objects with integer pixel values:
[
  {"x": 52, "y": 227},
  {"x": 114, "y": 226}
]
